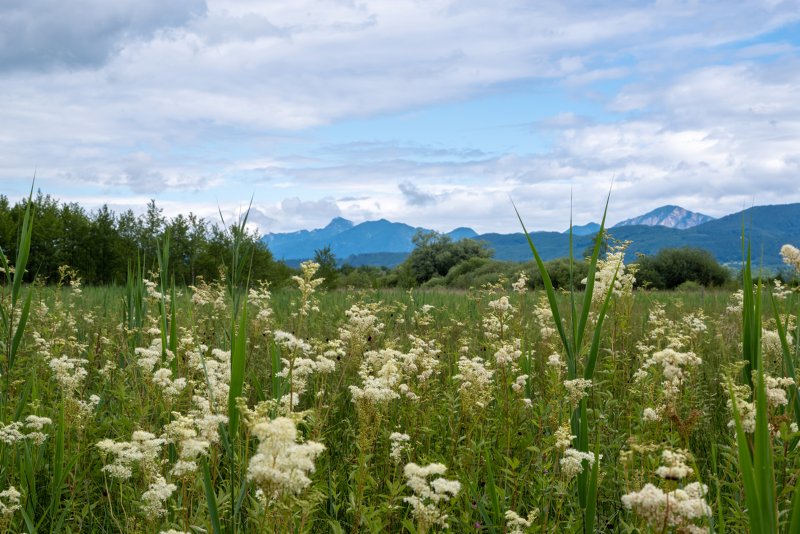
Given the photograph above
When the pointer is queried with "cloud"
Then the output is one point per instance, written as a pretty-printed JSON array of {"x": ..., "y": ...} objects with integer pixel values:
[
  {"x": 414, "y": 196},
  {"x": 42, "y": 34}
]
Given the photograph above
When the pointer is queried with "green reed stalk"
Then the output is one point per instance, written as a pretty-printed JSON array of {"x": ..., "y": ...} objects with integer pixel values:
[{"x": 573, "y": 343}]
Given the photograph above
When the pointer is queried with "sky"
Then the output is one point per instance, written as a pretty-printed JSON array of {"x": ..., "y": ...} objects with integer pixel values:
[{"x": 436, "y": 113}]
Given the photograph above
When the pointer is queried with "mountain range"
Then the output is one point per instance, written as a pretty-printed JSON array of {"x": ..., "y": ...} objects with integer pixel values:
[{"x": 388, "y": 243}]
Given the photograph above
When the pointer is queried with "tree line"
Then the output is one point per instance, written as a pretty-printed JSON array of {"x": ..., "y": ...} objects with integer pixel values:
[{"x": 102, "y": 244}]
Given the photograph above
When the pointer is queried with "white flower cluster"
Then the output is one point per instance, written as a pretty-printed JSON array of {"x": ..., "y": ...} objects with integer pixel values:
[
  {"x": 521, "y": 285},
  {"x": 307, "y": 285},
  {"x": 183, "y": 432},
  {"x": 572, "y": 462},
  {"x": 9, "y": 501},
  {"x": 495, "y": 322},
  {"x": 517, "y": 524},
  {"x": 12, "y": 433},
  {"x": 475, "y": 388},
  {"x": 577, "y": 389},
  {"x": 143, "y": 450},
  {"x": 362, "y": 322},
  {"x": 400, "y": 443},
  {"x": 281, "y": 465},
  {"x": 169, "y": 388},
  {"x": 677, "y": 509},
  {"x": 299, "y": 366},
  {"x": 612, "y": 270},
  {"x": 380, "y": 374},
  {"x": 564, "y": 437},
  {"x": 674, "y": 365},
  {"x": 429, "y": 494},
  {"x": 69, "y": 373},
  {"x": 156, "y": 496},
  {"x": 674, "y": 465},
  {"x": 543, "y": 316},
  {"x": 791, "y": 256}
]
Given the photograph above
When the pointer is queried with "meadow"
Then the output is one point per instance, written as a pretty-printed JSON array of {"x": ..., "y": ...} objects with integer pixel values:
[{"x": 227, "y": 407}]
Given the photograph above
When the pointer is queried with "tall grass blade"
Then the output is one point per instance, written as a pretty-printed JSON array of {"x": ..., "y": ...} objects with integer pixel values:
[
  {"x": 211, "y": 498},
  {"x": 238, "y": 354}
]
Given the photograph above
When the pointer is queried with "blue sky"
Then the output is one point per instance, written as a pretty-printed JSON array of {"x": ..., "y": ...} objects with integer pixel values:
[{"x": 434, "y": 113}]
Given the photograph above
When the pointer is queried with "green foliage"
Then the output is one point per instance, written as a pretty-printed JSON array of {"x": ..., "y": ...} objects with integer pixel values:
[
  {"x": 672, "y": 267},
  {"x": 328, "y": 268},
  {"x": 101, "y": 244},
  {"x": 435, "y": 254}
]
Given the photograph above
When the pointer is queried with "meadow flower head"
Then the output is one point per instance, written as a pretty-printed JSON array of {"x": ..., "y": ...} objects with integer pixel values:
[
  {"x": 572, "y": 462},
  {"x": 156, "y": 496},
  {"x": 429, "y": 494},
  {"x": 9, "y": 501},
  {"x": 791, "y": 256}
]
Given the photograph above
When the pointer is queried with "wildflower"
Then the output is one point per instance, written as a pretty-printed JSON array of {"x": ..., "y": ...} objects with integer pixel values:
[
  {"x": 572, "y": 462},
  {"x": 577, "y": 389},
  {"x": 518, "y": 524},
  {"x": 554, "y": 360},
  {"x": 649, "y": 414},
  {"x": 400, "y": 444},
  {"x": 791, "y": 256},
  {"x": 281, "y": 464},
  {"x": 564, "y": 437},
  {"x": 9, "y": 501},
  {"x": 674, "y": 467},
  {"x": 475, "y": 386},
  {"x": 678, "y": 508},
  {"x": 428, "y": 494},
  {"x": 521, "y": 285},
  {"x": 169, "y": 388},
  {"x": 156, "y": 495},
  {"x": 143, "y": 449},
  {"x": 68, "y": 372}
]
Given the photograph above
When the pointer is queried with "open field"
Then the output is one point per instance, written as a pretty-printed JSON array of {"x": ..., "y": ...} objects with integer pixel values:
[
  {"x": 140, "y": 439},
  {"x": 211, "y": 408}
]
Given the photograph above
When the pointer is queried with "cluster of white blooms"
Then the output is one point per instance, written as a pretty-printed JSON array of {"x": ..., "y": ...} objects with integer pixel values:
[
  {"x": 674, "y": 465},
  {"x": 649, "y": 414},
  {"x": 572, "y": 462},
  {"x": 500, "y": 314},
  {"x": 422, "y": 359},
  {"x": 612, "y": 270},
  {"x": 214, "y": 293},
  {"x": 736, "y": 302},
  {"x": 677, "y": 509},
  {"x": 695, "y": 322},
  {"x": 521, "y": 285},
  {"x": 215, "y": 373},
  {"x": 183, "y": 432},
  {"x": 260, "y": 298},
  {"x": 156, "y": 495},
  {"x": 746, "y": 409},
  {"x": 143, "y": 450},
  {"x": 9, "y": 501},
  {"x": 564, "y": 437},
  {"x": 150, "y": 356},
  {"x": 429, "y": 494},
  {"x": 380, "y": 374},
  {"x": 400, "y": 443},
  {"x": 508, "y": 354},
  {"x": 780, "y": 291},
  {"x": 554, "y": 360},
  {"x": 307, "y": 285},
  {"x": 776, "y": 390},
  {"x": 791, "y": 256},
  {"x": 281, "y": 464},
  {"x": 362, "y": 323},
  {"x": 475, "y": 383},
  {"x": 771, "y": 343},
  {"x": 12, "y": 432},
  {"x": 150, "y": 286},
  {"x": 169, "y": 388},
  {"x": 577, "y": 389},
  {"x": 517, "y": 524},
  {"x": 298, "y": 366},
  {"x": 673, "y": 368},
  {"x": 69, "y": 373},
  {"x": 543, "y": 316}
]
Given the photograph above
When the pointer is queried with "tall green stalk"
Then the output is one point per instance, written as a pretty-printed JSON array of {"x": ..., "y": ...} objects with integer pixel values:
[{"x": 574, "y": 347}]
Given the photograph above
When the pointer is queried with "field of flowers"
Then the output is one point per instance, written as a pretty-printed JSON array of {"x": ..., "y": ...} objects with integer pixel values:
[{"x": 151, "y": 408}]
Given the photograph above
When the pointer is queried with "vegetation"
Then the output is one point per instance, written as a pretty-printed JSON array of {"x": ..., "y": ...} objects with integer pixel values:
[
  {"x": 229, "y": 407},
  {"x": 671, "y": 267},
  {"x": 101, "y": 245}
]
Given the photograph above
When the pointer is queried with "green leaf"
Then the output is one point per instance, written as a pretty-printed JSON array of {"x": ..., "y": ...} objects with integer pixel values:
[
  {"x": 211, "y": 498},
  {"x": 238, "y": 354}
]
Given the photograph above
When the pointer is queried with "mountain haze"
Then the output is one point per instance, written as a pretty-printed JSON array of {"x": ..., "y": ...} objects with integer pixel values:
[{"x": 388, "y": 243}]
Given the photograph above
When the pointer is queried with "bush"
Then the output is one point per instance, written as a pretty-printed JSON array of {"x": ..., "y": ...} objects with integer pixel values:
[{"x": 671, "y": 267}]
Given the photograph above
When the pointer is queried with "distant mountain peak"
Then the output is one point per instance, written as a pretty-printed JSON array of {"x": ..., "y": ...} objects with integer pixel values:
[
  {"x": 670, "y": 216},
  {"x": 339, "y": 224},
  {"x": 584, "y": 229}
]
